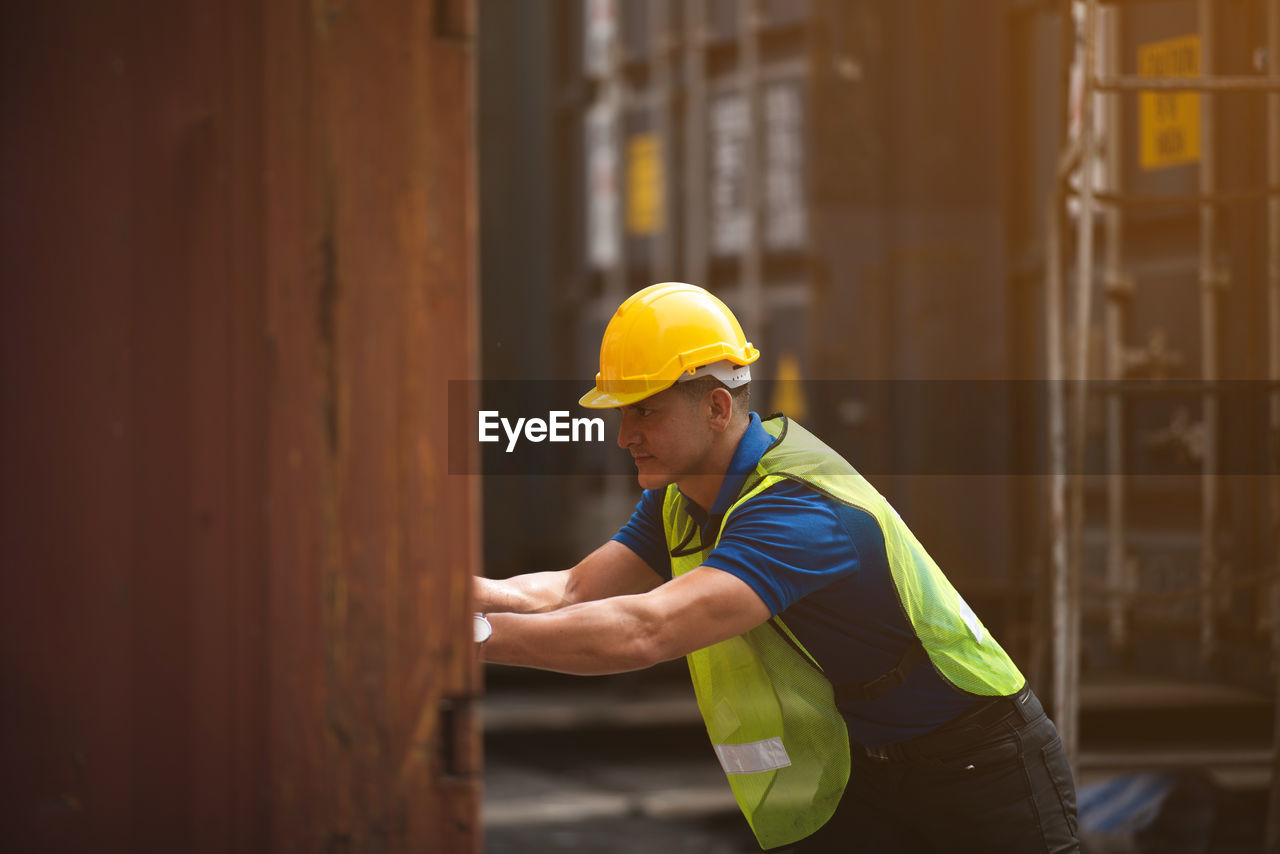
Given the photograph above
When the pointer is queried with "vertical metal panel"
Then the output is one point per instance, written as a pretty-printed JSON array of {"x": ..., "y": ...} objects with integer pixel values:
[
  {"x": 726, "y": 170},
  {"x": 784, "y": 123},
  {"x": 603, "y": 185},
  {"x": 236, "y": 284},
  {"x": 514, "y": 65},
  {"x": 636, "y": 29},
  {"x": 722, "y": 20},
  {"x": 907, "y": 207},
  {"x": 372, "y": 315},
  {"x": 599, "y": 28},
  {"x": 694, "y": 197}
]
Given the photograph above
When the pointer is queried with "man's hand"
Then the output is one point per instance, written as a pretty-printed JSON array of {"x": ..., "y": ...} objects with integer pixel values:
[{"x": 630, "y": 632}]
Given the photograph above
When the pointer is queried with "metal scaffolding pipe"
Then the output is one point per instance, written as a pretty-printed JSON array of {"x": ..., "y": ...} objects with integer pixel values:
[
  {"x": 1117, "y": 294},
  {"x": 1210, "y": 283},
  {"x": 1079, "y": 382},
  {"x": 1221, "y": 83},
  {"x": 1056, "y": 370},
  {"x": 1059, "y": 562},
  {"x": 1065, "y": 658},
  {"x": 1228, "y": 197},
  {"x": 1273, "y": 373}
]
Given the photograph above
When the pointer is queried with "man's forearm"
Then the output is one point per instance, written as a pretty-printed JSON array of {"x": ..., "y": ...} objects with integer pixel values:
[
  {"x": 632, "y": 631},
  {"x": 594, "y": 638},
  {"x": 533, "y": 593}
]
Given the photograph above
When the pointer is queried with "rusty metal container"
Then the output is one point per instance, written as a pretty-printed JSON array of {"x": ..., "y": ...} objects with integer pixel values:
[{"x": 238, "y": 275}]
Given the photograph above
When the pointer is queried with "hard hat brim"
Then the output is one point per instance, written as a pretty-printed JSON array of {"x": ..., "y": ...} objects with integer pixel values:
[{"x": 597, "y": 399}]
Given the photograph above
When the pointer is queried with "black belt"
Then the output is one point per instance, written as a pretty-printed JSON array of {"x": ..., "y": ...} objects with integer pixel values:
[{"x": 1023, "y": 704}]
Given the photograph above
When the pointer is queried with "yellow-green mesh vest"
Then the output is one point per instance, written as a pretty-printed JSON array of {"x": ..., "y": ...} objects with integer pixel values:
[{"x": 769, "y": 711}]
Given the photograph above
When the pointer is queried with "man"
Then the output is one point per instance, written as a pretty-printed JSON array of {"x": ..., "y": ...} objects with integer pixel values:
[{"x": 854, "y": 699}]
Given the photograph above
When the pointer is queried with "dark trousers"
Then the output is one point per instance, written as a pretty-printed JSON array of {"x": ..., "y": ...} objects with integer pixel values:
[{"x": 994, "y": 781}]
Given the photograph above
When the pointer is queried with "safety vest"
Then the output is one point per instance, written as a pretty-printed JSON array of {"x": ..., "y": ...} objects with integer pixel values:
[{"x": 769, "y": 710}]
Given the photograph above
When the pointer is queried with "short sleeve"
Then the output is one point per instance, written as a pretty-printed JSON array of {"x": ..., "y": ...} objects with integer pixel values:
[
  {"x": 786, "y": 543},
  {"x": 643, "y": 532}
]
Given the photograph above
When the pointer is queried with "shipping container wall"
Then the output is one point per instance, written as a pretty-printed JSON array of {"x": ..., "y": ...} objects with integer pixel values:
[{"x": 237, "y": 249}]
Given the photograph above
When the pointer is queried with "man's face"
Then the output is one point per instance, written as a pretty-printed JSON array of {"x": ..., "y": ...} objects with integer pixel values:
[{"x": 668, "y": 436}]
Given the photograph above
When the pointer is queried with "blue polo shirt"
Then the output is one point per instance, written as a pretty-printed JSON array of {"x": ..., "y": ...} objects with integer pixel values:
[{"x": 820, "y": 565}]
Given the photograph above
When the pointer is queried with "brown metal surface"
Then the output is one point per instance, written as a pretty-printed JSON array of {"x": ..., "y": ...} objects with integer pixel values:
[{"x": 237, "y": 248}]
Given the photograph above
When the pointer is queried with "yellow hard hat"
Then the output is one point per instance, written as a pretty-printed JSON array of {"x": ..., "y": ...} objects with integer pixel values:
[{"x": 658, "y": 334}]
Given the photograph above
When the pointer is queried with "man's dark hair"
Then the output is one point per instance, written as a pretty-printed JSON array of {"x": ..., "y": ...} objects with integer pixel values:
[{"x": 696, "y": 389}]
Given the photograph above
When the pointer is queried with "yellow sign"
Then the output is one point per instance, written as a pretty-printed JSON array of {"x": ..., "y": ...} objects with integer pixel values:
[
  {"x": 644, "y": 185},
  {"x": 1169, "y": 122},
  {"x": 788, "y": 393}
]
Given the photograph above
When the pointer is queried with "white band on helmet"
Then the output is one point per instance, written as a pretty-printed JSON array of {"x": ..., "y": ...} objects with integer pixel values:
[{"x": 732, "y": 375}]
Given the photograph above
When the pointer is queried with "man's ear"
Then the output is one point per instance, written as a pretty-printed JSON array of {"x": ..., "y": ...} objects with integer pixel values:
[{"x": 720, "y": 407}]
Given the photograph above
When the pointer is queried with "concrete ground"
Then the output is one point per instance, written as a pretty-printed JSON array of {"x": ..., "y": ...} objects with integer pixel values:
[
  {"x": 625, "y": 835},
  {"x": 621, "y": 765},
  {"x": 612, "y": 791}
]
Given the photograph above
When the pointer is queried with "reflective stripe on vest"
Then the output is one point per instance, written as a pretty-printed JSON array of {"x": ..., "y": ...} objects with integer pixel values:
[
  {"x": 769, "y": 711},
  {"x": 753, "y": 757}
]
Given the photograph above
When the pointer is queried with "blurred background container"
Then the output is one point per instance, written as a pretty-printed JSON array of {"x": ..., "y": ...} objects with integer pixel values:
[{"x": 868, "y": 185}]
